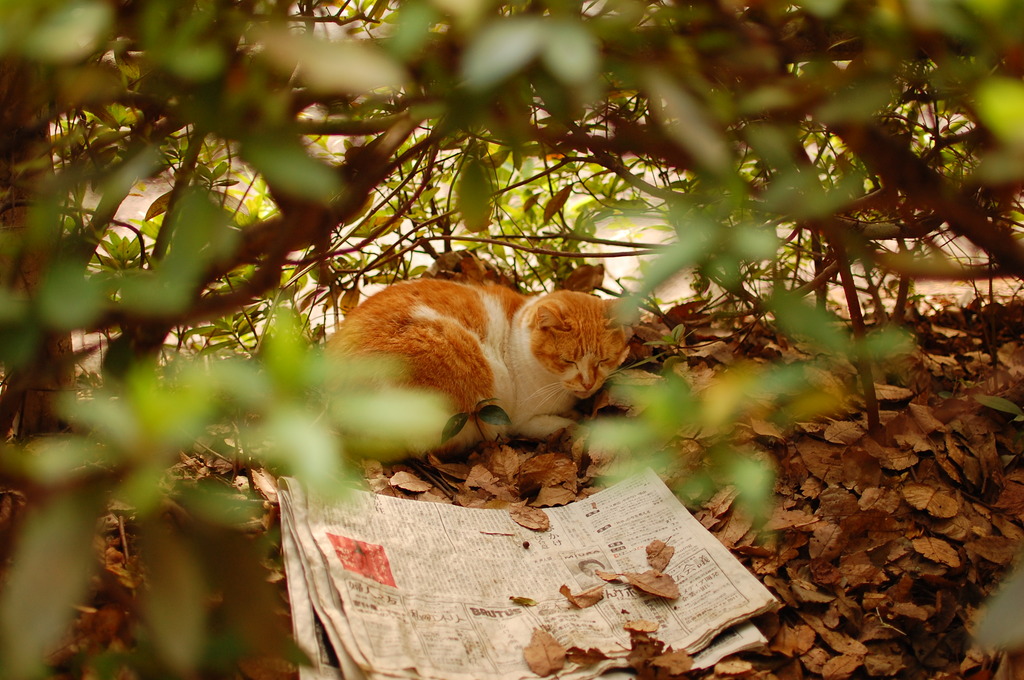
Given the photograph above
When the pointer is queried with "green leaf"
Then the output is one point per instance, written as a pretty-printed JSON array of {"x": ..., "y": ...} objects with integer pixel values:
[
  {"x": 402, "y": 414},
  {"x": 823, "y": 8},
  {"x": 473, "y": 193},
  {"x": 57, "y": 460},
  {"x": 999, "y": 404},
  {"x": 798, "y": 319},
  {"x": 70, "y": 31},
  {"x": 48, "y": 576},
  {"x": 304, "y": 443},
  {"x": 753, "y": 479},
  {"x": 68, "y": 297},
  {"x": 413, "y": 28},
  {"x": 688, "y": 122},
  {"x": 1000, "y": 103},
  {"x": 454, "y": 426},
  {"x": 500, "y": 49},
  {"x": 492, "y": 414},
  {"x": 571, "y": 52},
  {"x": 145, "y": 292},
  {"x": 695, "y": 241},
  {"x": 333, "y": 66},
  {"x": 175, "y": 601},
  {"x": 285, "y": 165}
]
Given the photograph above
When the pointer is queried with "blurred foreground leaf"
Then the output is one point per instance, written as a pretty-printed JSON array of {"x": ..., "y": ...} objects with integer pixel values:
[{"x": 47, "y": 578}]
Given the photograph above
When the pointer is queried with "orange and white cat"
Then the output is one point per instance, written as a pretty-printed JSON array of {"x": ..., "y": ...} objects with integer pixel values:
[{"x": 535, "y": 357}]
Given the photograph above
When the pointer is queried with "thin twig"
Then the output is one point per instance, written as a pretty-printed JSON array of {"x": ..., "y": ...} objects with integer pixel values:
[{"x": 864, "y": 369}]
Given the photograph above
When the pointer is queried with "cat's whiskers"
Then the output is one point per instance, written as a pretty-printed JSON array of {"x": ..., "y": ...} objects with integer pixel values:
[{"x": 546, "y": 393}]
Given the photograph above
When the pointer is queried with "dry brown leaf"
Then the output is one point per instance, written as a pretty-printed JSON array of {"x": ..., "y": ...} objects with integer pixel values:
[
  {"x": 793, "y": 640},
  {"x": 654, "y": 583},
  {"x": 890, "y": 458},
  {"x": 534, "y": 519},
  {"x": 841, "y": 667},
  {"x": 406, "y": 481},
  {"x": 735, "y": 529},
  {"x": 909, "y": 610},
  {"x": 722, "y": 501},
  {"x": 642, "y": 648},
  {"x": 547, "y": 469},
  {"x": 823, "y": 459},
  {"x": 934, "y": 501},
  {"x": 582, "y": 600},
  {"x": 608, "y": 576},
  {"x": 641, "y": 626},
  {"x": 1011, "y": 498},
  {"x": 814, "y": 660},
  {"x": 844, "y": 432},
  {"x": 556, "y": 202},
  {"x": 373, "y": 473},
  {"x": 790, "y": 519},
  {"x": 838, "y": 641},
  {"x": 892, "y": 393},
  {"x": 877, "y": 499},
  {"x": 659, "y": 554},
  {"x": 937, "y": 550},
  {"x": 481, "y": 478},
  {"x": 734, "y": 668},
  {"x": 925, "y": 418},
  {"x": 858, "y": 570},
  {"x": 827, "y": 541},
  {"x": 265, "y": 483},
  {"x": 721, "y": 351},
  {"x": 544, "y": 655},
  {"x": 585, "y": 657},
  {"x": 522, "y": 601},
  {"x": 504, "y": 463},
  {"x": 997, "y": 549},
  {"x": 553, "y": 496},
  {"x": 808, "y": 592},
  {"x": 884, "y": 665},
  {"x": 585, "y": 278},
  {"x": 266, "y": 668},
  {"x": 673, "y": 663},
  {"x": 763, "y": 428}
]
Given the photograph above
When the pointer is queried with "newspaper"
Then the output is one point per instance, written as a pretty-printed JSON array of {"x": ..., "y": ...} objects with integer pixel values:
[{"x": 383, "y": 587}]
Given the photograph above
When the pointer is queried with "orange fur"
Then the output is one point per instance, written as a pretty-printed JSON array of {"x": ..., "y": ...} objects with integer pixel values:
[{"x": 534, "y": 356}]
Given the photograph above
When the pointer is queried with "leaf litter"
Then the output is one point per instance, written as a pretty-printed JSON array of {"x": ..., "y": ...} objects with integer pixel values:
[{"x": 882, "y": 549}]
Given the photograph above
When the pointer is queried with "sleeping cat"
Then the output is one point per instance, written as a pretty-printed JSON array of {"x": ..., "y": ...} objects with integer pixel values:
[{"x": 535, "y": 357}]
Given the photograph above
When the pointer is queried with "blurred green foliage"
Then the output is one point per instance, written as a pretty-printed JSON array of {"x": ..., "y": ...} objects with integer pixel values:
[{"x": 175, "y": 175}]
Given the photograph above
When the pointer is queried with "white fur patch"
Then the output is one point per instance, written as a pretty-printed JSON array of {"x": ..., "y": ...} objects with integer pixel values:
[
  {"x": 424, "y": 313},
  {"x": 497, "y": 322}
]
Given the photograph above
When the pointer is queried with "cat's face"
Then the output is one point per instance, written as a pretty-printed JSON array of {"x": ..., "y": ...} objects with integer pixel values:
[{"x": 574, "y": 337}]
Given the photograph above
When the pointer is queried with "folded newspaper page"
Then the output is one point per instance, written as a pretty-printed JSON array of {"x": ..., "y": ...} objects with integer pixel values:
[{"x": 385, "y": 587}]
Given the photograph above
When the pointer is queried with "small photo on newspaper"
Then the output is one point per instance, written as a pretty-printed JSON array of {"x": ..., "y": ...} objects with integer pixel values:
[{"x": 384, "y": 587}]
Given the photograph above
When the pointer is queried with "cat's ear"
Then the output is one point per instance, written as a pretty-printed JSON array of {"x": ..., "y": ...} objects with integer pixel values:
[{"x": 549, "y": 316}]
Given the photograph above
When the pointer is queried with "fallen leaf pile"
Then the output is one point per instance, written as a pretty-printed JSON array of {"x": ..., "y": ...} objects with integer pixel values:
[{"x": 881, "y": 547}]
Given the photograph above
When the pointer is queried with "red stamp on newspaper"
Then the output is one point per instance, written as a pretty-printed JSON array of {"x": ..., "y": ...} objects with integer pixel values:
[{"x": 366, "y": 559}]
